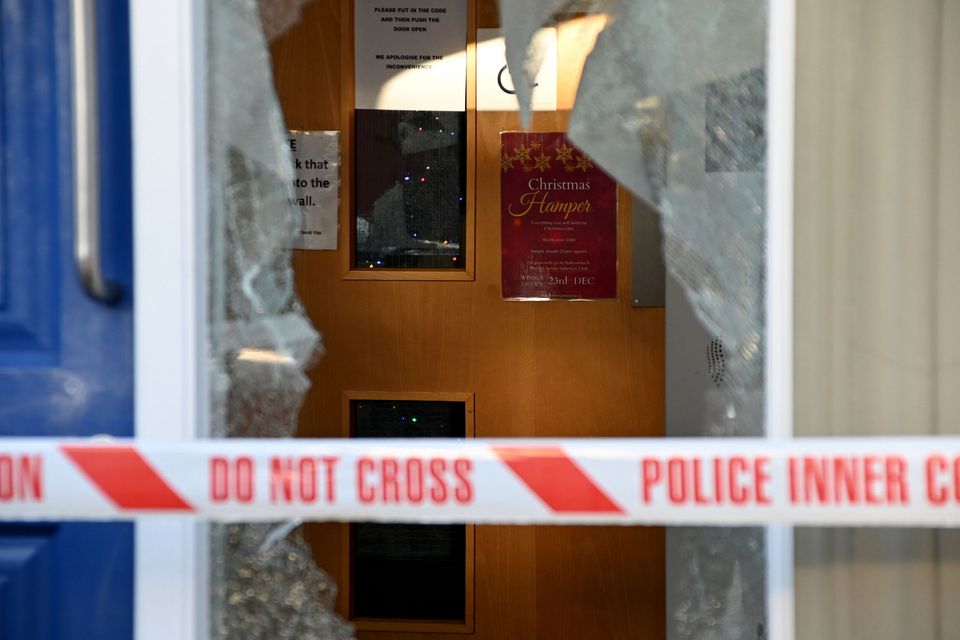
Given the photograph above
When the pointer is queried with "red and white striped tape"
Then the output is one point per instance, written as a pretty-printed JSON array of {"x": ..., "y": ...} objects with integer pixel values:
[{"x": 871, "y": 482}]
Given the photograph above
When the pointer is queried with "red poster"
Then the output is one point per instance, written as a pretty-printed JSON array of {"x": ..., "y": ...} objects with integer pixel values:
[{"x": 558, "y": 219}]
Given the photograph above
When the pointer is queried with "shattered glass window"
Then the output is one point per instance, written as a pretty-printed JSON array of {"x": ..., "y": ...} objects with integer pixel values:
[
  {"x": 264, "y": 582},
  {"x": 672, "y": 103}
]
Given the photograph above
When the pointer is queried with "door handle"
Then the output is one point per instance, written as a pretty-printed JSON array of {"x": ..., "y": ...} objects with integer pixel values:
[{"x": 86, "y": 154}]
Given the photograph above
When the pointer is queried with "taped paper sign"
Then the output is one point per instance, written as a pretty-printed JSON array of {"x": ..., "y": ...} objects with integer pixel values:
[
  {"x": 316, "y": 163},
  {"x": 558, "y": 220},
  {"x": 844, "y": 482},
  {"x": 411, "y": 54}
]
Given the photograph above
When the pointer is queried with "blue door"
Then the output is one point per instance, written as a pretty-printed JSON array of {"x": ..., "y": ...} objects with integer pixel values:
[{"x": 66, "y": 358}]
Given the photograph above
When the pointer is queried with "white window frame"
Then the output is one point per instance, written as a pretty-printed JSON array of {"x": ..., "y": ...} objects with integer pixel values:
[
  {"x": 168, "y": 60},
  {"x": 168, "y": 74},
  {"x": 778, "y": 365}
]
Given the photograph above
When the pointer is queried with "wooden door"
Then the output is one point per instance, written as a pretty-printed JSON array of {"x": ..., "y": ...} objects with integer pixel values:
[
  {"x": 553, "y": 369},
  {"x": 66, "y": 360}
]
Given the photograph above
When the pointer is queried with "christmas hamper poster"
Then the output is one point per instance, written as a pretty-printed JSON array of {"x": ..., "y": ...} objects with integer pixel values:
[{"x": 558, "y": 217}]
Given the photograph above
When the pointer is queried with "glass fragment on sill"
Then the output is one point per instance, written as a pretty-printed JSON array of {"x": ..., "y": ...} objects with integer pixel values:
[{"x": 264, "y": 582}]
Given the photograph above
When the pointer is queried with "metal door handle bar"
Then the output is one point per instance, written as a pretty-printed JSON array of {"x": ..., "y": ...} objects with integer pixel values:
[{"x": 86, "y": 156}]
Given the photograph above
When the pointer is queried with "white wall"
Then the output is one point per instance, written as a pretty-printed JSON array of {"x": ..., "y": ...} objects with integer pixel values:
[{"x": 877, "y": 290}]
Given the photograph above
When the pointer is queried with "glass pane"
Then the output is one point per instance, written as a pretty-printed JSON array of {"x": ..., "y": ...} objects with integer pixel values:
[
  {"x": 264, "y": 581},
  {"x": 410, "y": 189},
  {"x": 679, "y": 117},
  {"x": 670, "y": 103},
  {"x": 428, "y": 559},
  {"x": 408, "y": 419}
]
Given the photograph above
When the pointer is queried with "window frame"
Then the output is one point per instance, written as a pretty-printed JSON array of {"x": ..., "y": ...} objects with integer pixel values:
[
  {"x": 169, "y": 132},
  {"x": 168, "y": 78}
]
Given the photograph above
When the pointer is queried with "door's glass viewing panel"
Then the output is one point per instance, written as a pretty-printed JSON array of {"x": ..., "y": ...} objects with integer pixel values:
[
  {"x": 429, "y": 560},
  {"x": 410, "y": 189}
]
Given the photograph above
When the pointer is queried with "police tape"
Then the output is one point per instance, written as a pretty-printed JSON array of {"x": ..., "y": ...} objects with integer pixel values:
[{"x": 863, "y": 482}]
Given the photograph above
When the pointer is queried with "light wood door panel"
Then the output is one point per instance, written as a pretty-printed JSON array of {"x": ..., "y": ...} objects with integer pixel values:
[{"x": 556, "y": 369}]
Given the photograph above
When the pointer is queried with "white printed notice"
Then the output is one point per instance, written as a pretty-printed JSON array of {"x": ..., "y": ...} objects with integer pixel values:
[
  {"x": 411, "y": 54},
  {"x": 316, "y": 163}
]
